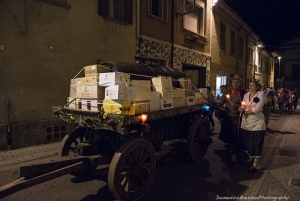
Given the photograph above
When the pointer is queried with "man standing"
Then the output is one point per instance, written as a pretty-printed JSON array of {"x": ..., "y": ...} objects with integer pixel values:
[
  {"x": 268, "y": 102},
  {"x": 296, "y": 97},
  {"x": 230, "y": 123},
  {"x": 281, "y": 98},
  {"x": 273, "y": 95}
]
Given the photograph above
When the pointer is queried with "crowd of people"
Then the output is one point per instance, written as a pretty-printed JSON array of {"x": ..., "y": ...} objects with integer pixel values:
[{"x": 244, "y": 116}]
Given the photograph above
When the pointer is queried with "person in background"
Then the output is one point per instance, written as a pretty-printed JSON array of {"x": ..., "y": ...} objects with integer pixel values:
[
  {"x": 253, "y": 124},
  {"x": 273, "y": 95},
  {"x": 268, "y": 101},
  {"x": 211, "y": 100},
  {"x": 230, "y": 123},
  {"x": 296, "y": 98},
  {"x": 281, "y": 99},
  {"x": 222, "y": 92}
]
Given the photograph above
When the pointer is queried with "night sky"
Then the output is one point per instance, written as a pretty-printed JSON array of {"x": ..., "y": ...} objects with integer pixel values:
[{"x": 274, "y": 21}]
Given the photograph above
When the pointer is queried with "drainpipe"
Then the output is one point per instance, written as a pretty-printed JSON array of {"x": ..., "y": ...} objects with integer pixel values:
[
  {"x": 137, "y": 22},
  {"x": 172, "y": 33}
]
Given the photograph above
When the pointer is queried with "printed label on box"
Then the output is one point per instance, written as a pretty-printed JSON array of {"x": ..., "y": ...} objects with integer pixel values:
[
  {"x": 113, "y": 78},
  {"x": 190, "y": 100},
  {"x": 120, "y": 92},
  {"x": 166, "y": 103}
]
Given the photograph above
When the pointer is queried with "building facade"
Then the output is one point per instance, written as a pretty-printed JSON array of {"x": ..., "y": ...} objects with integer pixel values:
[
  {"x": 236, "y": 49},
  {"x": 177, "y": 38},
  {"x": 45, "y": 45},
  {"x": 290, "y": 64}
]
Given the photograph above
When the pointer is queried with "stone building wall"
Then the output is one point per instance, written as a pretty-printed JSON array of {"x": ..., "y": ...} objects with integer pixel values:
[{"x": 44, "y": 47}]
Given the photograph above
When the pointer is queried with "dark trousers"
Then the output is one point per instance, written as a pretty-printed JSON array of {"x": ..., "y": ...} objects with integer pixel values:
[
  {"x": 295, "y": 103},
  {"x": 211, "y": 120},
  {"x": 230, "y": 132},
  {"x": 281, "y": 107}
]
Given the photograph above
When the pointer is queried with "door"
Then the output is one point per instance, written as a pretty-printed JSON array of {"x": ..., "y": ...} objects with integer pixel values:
[{"x": 197, "y": 74}]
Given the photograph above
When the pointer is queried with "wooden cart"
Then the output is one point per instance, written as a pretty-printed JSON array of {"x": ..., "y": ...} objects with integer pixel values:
[{"x": 125, "y": 142}]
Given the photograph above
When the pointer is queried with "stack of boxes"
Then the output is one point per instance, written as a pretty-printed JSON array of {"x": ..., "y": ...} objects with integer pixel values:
[
  {"x": 116, "y": 93},
  {"x": 86, "y": 90}
]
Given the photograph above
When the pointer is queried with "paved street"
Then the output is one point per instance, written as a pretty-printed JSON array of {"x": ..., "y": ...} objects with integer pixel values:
[{"x": 176, "y": 178}]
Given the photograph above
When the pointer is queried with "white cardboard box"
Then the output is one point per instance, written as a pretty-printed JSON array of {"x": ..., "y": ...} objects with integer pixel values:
[
  {"x": 185, "y": 83},
  {"x": 90, "y": 91},
  {"x": 204, "y": 92},
  {"x": 163, "y": 85},
  {"x": 155, "y": 106},
  {"x": 120, "y": 92},
  {"x": 113, "y": 78},
  {"x": 198, "y": 97},
  {"x": 90, "y": 80},
  {"x": 89, "y": 104},
  {"x": 179, "y": 103},
  {"x": 73, "y": 88},
  {"x": 94, "y": 70},
  {"x": 190, "y": 100},
  {"x": 142, "y": 94},
  {"x": 178, "y": 93},
  {"x": 166, "y": 103},
  {"x": 144, "y": 84},
  {"x": 155, "y": 96}
]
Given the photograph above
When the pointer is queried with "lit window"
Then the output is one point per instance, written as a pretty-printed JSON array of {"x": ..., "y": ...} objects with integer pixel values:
[
  {"x": 195, "y": 21},
  {"x": 158, "y": 8}
]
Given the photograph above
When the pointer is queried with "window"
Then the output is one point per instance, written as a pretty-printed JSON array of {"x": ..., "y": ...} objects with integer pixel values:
[
  {"x": 158, "y": 8},
  {"x": 232, "y": 43},
  {"x": 265, "y": 69},
  {"x": 222, "y": 36},
  {"x": 195, "y": 22},
  {"x": 58, "y": 3},
  {"x": 241, "y": 48},
  {"x": 250, "y": 56},
  {"x": 120, "y": 10}
]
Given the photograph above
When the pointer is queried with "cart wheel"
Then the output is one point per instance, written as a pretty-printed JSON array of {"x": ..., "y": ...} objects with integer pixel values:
[
  {"x": 69, "y": 145},
  {"x": 197, "y": 139},
  {"x": 132, "y": 170}
]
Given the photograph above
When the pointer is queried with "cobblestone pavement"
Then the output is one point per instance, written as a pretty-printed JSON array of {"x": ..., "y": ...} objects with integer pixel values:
[
  {"x": 12, "y": 157},
  {"x": 280, "y": 177}
]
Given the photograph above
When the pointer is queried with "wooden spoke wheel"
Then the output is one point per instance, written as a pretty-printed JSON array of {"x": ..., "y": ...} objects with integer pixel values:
[
  {"x": 198, "y": 139},
  {"x": 70, "y": 147},
  {"x": 132, "y": 169}
]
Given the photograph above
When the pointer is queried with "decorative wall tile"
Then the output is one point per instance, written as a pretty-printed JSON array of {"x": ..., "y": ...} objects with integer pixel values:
[{"x": 152, "y": 49}]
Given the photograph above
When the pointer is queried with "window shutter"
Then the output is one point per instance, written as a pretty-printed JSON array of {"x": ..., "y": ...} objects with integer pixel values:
[
  {"x": 129, "y": 11},
  {"x": 191, "y": 22},
  {"x": 102, "y": 7}
]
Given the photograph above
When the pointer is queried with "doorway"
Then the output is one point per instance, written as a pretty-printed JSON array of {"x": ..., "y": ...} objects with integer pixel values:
[{"x": 197, "y": 74}]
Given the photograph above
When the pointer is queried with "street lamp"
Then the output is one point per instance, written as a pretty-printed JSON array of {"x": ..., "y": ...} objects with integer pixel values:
[{"x": 279, "y": 65}]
